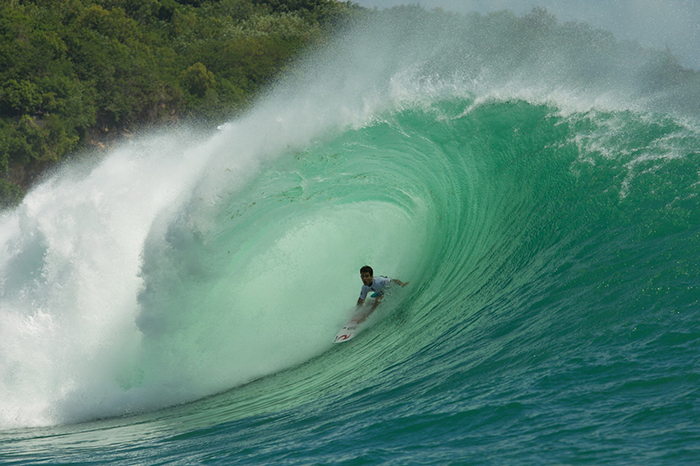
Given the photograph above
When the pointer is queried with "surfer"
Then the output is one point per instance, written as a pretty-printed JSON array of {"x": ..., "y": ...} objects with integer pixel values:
[{"x": 378, "y": 285}]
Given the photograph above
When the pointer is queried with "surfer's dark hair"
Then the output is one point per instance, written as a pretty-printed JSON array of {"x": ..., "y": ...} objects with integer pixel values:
[{"x": 367, "y": 269}]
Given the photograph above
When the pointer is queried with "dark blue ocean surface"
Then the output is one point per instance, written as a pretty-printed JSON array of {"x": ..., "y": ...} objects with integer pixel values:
[{"x": 538, "y": 186}]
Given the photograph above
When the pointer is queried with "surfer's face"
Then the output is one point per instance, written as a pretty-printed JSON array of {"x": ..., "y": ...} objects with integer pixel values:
[{"x": 367, "y": 278}]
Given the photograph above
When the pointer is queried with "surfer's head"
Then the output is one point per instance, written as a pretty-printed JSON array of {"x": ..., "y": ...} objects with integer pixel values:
[{"x": 367, "y": 275}]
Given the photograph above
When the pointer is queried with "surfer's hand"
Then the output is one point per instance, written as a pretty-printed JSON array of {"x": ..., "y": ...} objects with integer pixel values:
[{"x": 404, "y": 284}]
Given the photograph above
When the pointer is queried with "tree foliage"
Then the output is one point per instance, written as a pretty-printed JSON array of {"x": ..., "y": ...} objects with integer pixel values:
[{"x": 73, "y": 71}]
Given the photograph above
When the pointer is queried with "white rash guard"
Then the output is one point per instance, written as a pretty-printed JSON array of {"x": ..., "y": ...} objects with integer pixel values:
[{"x": 379, "y": 284}]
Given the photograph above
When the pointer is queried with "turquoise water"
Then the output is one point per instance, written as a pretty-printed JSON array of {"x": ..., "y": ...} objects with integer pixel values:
[{"x": 176, "y": 301}]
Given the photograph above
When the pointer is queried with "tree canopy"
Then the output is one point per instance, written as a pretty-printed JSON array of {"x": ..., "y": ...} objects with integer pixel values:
[{"x": 78, "y": 72}]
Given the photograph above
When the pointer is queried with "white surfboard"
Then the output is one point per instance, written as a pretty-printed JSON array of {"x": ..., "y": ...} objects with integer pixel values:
[
  {"x": 348, "y": 331},
  {"x": 353, "y": 327}
]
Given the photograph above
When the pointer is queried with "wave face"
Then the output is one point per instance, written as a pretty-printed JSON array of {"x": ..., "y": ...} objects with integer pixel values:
[{"x": 537, "y": 184}]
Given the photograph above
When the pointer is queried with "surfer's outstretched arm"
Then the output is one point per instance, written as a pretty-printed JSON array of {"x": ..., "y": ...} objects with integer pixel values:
[{"x": 399, "y": 282}]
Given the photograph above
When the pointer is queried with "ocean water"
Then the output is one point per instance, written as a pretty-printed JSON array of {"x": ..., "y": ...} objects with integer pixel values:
[{"x": 175, "y": 301}]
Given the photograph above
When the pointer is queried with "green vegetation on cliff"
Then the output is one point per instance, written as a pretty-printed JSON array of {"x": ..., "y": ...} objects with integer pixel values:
[{"x": 77, "y": 72}]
